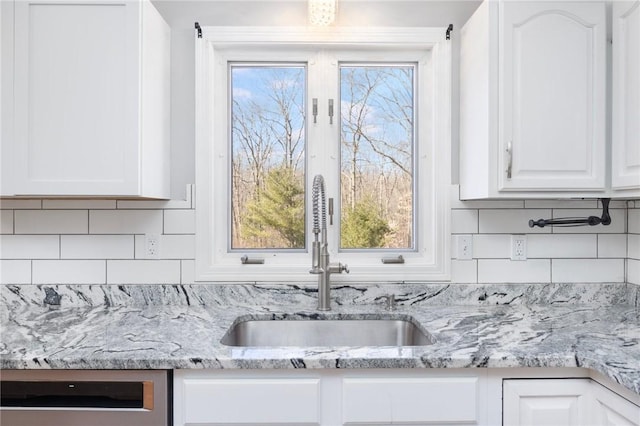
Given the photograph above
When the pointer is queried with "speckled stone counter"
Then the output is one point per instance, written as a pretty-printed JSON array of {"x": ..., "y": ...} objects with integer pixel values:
[{"x": 595, "y": 326}]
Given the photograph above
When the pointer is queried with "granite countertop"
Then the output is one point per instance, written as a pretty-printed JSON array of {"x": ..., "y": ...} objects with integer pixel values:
[{"x": 177, "y": 327}]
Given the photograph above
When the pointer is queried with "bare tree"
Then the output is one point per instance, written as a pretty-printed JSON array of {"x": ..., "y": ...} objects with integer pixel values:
[{"x": 377, "y": 143}]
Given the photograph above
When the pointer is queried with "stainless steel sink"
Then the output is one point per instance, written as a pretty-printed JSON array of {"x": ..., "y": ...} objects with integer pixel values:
[{"x": 327, "y": 332}]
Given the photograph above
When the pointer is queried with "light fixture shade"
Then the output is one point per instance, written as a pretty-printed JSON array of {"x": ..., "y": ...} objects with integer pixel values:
[{"x": 322, "y": 12}]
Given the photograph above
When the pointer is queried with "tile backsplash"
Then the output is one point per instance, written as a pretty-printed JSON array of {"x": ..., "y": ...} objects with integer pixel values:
[{"x": 103, "y": 241}]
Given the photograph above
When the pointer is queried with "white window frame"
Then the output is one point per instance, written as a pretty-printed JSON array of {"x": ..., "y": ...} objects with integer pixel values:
[{"x": 218, "y": 45}]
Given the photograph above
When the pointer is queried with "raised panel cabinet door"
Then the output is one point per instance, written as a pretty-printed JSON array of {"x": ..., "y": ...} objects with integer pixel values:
[
  {"x": 545, "y": 402},
  {"x": 76, "y": 97},
  {"x": 611, "y": 409},
  {"x": 625, "y": 169},
  {"x": 552, "y": 61}
]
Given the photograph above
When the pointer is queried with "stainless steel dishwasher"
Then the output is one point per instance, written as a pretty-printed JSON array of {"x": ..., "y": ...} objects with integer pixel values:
[{"x": 84, "y": 397}]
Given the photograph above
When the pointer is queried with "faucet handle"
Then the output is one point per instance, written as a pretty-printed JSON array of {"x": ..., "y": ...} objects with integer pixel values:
[{"x": 338, "y": 268}]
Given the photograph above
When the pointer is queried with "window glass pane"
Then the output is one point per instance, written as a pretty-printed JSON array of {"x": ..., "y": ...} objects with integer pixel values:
[
  {"x": 267, "y": 156},
  {"x": 377, "y": 139}
]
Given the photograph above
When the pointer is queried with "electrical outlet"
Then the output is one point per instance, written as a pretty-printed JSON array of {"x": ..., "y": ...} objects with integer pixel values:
[
  {"x": 152, "y": 246},
  {"x": 465, "y": 247},
  {"x": 518, "y": 247}
]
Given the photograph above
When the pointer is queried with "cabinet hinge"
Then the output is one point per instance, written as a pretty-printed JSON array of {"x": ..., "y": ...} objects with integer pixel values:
[
  {"x": 448, "y": 33},
  {"x": 199, "y": 29}
]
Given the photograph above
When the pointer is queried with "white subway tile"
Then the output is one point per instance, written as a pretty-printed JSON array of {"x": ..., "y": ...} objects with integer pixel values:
[
  {"x": 587, "y": 270},
  {"x": 180, "y": 222},
  {"x": 633, "y": 271},
  {"x": 561, "y": 204},
  {"x": 30, "y": 247},
  {"x": 20, "y": 204},
  {"x": 634, "y": 221},
  {"x": 464, "y": 271},
  {"x": 143, "y": 271},
  {"x": 511, "y": 221},
  {"x": 170, "y": 247},
  {"x": 491, "y": 246},
  {"x": 612, "y": 245},
  {"x": 96, "y": 246},
  {"x": 549, "y": 246},
  {"x": 507, "y": 271},
  {"x": 79, "y": 204},
  {"x": 69, "y": 272},
  {"x": 125, "y": 221},
  {"x": 633, "y": 246},
  {"x": 617, "y": 226},
  {"x": 178, "y": 247},
  {"x": 6, "y": 221},
  {"x": 188, "y": 271},
  {"x": 51, "y": 221},
  {"x": 464, "y": 221},
  {"x": 15, "y": 272}
]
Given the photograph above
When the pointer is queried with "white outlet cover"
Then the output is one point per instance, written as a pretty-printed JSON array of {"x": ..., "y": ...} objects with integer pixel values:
[
  {"x": 152, "y": 246},
  {"x": 518, "y": 247},
  {"x": 465, "y": 247}
]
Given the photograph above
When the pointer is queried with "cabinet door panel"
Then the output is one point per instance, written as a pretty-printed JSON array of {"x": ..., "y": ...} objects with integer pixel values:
[
  {"x": 626, "y": 95},
  {"x": 75, "y": 97},
  {"x": 251, "y": 401},
  {"x": 545, "y": 402},
  {"x": 553, "y": 96},
  {"x": 410, "y": 401},
  {"x": 613, "y": 410}
]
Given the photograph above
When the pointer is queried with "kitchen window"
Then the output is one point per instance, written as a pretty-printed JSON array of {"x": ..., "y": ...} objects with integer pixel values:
[{"x": 369, "y": 109}]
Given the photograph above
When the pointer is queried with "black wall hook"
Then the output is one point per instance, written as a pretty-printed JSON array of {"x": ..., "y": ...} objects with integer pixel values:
[{"x": 605, "y": 219}]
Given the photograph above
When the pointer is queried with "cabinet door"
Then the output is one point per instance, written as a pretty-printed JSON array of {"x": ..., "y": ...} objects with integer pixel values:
[
  {"x": 410, "y": 401},
  {"x": 552, "y": 96},
  {"x": 610, "y": 409},
  {"x": 545, "y": 402},
  {"x": 255, "y": 401},
  {"x": 626, "y": 95},
  {"x": 76, "y": 97}
]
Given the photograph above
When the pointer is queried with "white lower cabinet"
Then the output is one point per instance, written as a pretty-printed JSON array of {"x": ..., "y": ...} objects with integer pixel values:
[
  {"x": 367, "y": 397},
  {"x": 329, "y": 397},
  {"x": 565, "y": 402}
]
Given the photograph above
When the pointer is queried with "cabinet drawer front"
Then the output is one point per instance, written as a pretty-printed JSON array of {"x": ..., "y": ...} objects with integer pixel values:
[
  {"x": 410, "y": 401},
  {"x": 246, "y": 401}
]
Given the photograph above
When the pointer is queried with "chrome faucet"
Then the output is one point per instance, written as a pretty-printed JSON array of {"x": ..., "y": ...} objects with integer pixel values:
[{"x": 320, "y": 263}]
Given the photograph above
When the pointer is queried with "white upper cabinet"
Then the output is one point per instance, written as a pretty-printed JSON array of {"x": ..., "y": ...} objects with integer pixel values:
[
  {"x": 91, "y": 100},
  {"x": 626, "y": 97},
  {"x": 533, "y": 100}
]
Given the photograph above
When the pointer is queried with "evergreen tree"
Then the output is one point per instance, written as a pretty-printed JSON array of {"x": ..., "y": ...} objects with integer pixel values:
[
  {"x": 278, "y": 210},
  {"x": 363, "y": 226}
]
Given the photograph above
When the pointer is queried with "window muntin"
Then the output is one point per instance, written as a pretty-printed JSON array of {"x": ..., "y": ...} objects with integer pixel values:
[
  {"x": 377, "y": 155},
  {"x": 267, "y": 144}
]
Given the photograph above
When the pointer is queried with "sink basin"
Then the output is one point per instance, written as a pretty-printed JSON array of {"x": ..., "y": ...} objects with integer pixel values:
[{"x": 327, "y": 332}]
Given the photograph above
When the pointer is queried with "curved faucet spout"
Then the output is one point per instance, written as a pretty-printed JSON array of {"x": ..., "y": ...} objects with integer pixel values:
[{"x": 318, "y": 197}]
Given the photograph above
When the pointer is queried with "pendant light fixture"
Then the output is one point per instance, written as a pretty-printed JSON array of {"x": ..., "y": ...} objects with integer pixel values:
[{"x": 322, "y": 12}]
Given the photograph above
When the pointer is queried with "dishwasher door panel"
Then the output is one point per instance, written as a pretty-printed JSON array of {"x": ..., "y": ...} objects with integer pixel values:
[{"x": 84, "y": 397}]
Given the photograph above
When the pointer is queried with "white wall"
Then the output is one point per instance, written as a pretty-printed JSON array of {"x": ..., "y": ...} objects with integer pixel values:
[
  {"x": 181, "y": 15},
  {"x": 102, "y": 241}
]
